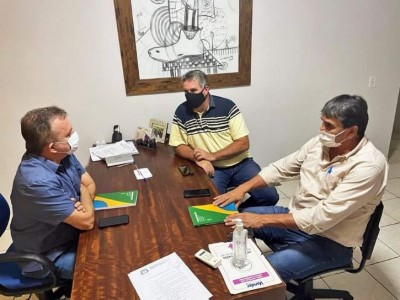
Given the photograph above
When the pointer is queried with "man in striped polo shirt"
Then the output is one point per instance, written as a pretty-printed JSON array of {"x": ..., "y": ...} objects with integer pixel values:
[{"x": 211, "y": 131}]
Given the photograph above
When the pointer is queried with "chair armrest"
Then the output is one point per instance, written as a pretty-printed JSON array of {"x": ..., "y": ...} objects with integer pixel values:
[{"x": 19, "y": 257}]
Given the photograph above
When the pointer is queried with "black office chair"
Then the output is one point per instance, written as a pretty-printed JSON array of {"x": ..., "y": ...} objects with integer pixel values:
[
  {"x": 12, "y": 283},
  {"x": 303, "y": 289}
]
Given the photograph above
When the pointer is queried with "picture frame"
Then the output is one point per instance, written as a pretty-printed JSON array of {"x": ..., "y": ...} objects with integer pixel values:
[
  {"x": 136, "y": 86},
  {"x": 159, "y": 129},
  {"x": 144, "y": 133}
]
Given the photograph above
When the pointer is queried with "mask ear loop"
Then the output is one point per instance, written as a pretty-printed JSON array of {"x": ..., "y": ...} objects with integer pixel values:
[
  {"x": 342, "y": 132},
  {"x": 208, "y": 91},
  {"x": 355, "y": 129},
  {"x": 341, "y": 142},
  {"x": 52, "y": 149}
]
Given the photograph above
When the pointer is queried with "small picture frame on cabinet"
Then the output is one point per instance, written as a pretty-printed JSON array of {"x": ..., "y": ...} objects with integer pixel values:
[{"x": 159, "y": 129}]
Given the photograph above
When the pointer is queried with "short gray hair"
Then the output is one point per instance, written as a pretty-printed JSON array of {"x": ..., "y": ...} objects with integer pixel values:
[
  {"x": 349, "y": 110},
  {"x": 196, "y": 75}
]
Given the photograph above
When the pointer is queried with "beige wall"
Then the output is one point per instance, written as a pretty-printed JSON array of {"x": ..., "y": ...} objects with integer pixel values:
[{"x": 304, "y": 53}]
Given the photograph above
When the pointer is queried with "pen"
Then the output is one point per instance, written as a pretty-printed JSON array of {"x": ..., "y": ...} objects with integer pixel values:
[
  {"x": 329, "y": 170},
  {"x": 140, "y": 173},
  {"x": 120, "y": 166}
]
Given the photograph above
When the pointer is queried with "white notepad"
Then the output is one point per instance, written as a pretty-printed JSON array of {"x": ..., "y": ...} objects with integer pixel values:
[
  {"x": 117, "y": 160},
  {"x": 142, "y": 173}
]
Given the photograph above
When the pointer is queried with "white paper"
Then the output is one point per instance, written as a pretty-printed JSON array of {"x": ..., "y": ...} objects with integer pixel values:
[
  {"x": 122, "y": 147},
  {"x": 142, "y": 173},
  {"x": 93, "y": 156},
  {"x": 257, "y": 274},
  {"x": 168, "y": 278}
]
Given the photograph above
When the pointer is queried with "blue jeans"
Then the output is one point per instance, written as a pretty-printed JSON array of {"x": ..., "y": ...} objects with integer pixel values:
[
  {"x": 234, "y": 176},
  {"x": 65, "y": 263},
  {"x": 300, "y": 254}
]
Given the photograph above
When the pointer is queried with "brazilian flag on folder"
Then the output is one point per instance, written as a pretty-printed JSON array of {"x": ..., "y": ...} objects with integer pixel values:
[
  {"x": 115, "y": 199},
  {"x": 208, "y": 214}
]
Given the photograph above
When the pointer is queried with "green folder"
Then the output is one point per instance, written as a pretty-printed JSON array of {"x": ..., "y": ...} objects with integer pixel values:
[
  {"x": 115, "y": 199},
  {"x": 208, "y": 214}
]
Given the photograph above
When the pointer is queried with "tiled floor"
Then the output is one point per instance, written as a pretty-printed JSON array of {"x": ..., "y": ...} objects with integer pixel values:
[{"x": 379, "y": 279}]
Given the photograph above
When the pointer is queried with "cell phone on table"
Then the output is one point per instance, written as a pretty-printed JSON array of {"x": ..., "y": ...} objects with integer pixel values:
[
  {"x": 113, "y": 221},
  {"x": 185, "y": 170},
  {"x": 196, "y": 193}
]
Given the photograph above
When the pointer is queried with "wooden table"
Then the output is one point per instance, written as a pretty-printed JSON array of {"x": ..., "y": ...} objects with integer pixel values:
[{"x": 159, "y": 225}]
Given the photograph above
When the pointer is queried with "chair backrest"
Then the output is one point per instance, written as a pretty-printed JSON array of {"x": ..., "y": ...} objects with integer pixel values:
[
  {"x": 4, "y": 214},
  {"x": 12, "y": 283},
  {"x": 370, "y": 237}
]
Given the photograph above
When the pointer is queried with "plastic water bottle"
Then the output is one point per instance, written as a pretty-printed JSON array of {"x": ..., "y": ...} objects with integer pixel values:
[{"x": 239, "y": 244}]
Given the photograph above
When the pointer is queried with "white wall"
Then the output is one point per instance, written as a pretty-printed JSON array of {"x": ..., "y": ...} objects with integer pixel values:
[
  {"x": 304, "y": 53},
  {"x": 396, "y": 125}
]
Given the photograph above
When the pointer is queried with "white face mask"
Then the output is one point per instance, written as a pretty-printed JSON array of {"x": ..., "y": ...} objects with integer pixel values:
[
  {"x": 329, "y": 139},
  {"x": 73, "y": 142}
]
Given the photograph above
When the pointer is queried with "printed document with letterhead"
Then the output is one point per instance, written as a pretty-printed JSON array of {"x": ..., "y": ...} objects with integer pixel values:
[
  {"x": 102, "y": 151},
  {"x": 168, "y": 278}
]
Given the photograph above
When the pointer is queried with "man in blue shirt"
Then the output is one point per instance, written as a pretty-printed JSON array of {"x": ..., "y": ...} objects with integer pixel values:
[{"x": 52, "y": 194}]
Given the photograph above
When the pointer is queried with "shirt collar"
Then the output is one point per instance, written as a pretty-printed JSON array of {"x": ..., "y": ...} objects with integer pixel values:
[
  {"x": 47, "y": 162},
  {"x": 361, "y": 144},
  {"x": 212, "y": 102}
]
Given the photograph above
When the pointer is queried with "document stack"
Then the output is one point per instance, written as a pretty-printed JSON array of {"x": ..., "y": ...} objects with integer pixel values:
[
  {"x": 117, "y": 160},
  {"x": 114, "y": 154}
]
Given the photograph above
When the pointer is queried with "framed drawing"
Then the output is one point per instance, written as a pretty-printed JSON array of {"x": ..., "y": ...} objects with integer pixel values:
[
  {"x": 159, "y": 129},
  {"x": 160, "y": 40}
]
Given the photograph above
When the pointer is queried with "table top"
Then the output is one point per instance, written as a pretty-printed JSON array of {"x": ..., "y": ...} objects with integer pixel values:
[{"x": 158, "y": 225}]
